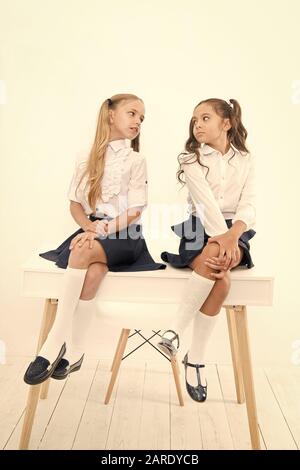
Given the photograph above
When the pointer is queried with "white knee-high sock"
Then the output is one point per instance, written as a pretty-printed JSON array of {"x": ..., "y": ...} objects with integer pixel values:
[
  {"x": 202, "y": 329},
  {"x": 82, "y": 319},
  {"x": 194, "y": 296},
  {"x": 73, "y": 281}
]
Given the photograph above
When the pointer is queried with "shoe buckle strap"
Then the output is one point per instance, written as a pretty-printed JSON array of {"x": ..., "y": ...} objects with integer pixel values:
[
  {"x": 174, "y": 337},
  {"x": 197, "y": 366}
]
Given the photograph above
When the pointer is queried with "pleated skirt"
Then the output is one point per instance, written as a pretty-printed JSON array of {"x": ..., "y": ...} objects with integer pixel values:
[
  {"x": 193, "y": 239},
  {"x": 125, "y": 250}
]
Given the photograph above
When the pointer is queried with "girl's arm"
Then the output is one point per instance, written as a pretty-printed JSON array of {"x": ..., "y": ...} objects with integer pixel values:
[
  {"x": 80, "y": 217},
  {"x": 246, "y": 209},
  {"x": 238, "y": 228},
  {"x": 245, "y": 214},
  {"x": 204, "y": 200},
  {"x": 210, "y": 214}
]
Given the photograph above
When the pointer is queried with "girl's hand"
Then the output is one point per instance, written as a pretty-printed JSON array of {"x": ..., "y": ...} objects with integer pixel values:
[
  {"x": 101, "y": 227},
  {"x": 218, "y": 265},
  {"x": 91, "y": 226},
  {"x": 81, "y": 238},
  {"x": 218, "y": 275},
  {"x": 215, "y": 263},
  {"x": 229, "y": 250},
  {"x": 96, "y": 228}
]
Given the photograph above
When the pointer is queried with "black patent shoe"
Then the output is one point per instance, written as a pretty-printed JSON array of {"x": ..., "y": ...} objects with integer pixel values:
[
  {"x": 63, "y": 368},
  {"x": 166, "y": 345},
  {"x": 198, "y": 392},
  {"x": 41, "y": 369}
]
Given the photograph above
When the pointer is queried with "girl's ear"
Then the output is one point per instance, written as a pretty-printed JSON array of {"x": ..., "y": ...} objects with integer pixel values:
[
  {"x": 226, "y": 124},
  {"x": 111, "y": 116}
]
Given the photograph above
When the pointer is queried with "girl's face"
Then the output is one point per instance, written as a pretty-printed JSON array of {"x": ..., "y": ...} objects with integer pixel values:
[
  {"x": 208, "y": 126},
  {"x": 125, "y": 121}
]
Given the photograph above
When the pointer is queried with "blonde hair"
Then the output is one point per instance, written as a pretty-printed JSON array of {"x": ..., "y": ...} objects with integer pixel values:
[{"x": 95, "y": 164}]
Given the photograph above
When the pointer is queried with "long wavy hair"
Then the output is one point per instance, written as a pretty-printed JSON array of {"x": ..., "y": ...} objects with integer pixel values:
[
  {"x": 95, "y": 164},
  {"x": 236, "y": 135}
]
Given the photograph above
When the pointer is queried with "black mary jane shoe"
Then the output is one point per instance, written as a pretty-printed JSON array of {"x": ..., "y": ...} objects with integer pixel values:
[
  {"x": 63, "y": 368},
  {"x": 198, "y": 392},
  {"x": 166, "y": 345},
  {"x": 41, "y": 369}
]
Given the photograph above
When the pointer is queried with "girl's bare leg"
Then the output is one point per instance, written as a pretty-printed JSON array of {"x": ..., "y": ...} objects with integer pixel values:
[
  {"x": 220, "y": 290},
  {"x": 93, "y": 278},
  {"x": 82, "y": 256}
]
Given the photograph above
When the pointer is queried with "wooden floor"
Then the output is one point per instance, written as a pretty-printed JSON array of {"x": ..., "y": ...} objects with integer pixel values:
[{"x": 143, "y": 412}]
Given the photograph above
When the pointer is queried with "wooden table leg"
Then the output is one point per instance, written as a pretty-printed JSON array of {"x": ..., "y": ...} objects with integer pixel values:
[
  {"x": 51, "y": 318},
  {"x": 117, "y": 349},
  {"x": 236, "y": 360},
  {"x": 244, "y": 348},
  {"x": 117, "y": 362},
  {"x": 34, "y": 390},
  {"x": 175, "y": 370}
]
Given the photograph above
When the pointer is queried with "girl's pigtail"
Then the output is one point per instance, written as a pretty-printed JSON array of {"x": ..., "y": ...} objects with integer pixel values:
[{"x": 238, "y": 133}]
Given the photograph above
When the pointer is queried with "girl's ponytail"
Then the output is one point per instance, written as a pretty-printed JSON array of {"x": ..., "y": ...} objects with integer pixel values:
[{"x": 237, "y": 134}]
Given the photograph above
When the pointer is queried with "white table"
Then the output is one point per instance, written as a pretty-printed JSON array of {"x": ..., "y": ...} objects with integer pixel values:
[{"x": 122, "y": 296}]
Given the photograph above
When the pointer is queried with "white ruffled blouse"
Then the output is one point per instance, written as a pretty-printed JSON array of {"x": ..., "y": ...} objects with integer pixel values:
[
  {"x": 227, "y": 191},
  {"x": 124, "y": 182}
]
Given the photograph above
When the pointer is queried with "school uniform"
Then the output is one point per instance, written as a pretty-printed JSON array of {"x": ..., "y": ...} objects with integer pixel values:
[
  {"x": 217, "y": 198},
  {"x": 124, "y": 185}
]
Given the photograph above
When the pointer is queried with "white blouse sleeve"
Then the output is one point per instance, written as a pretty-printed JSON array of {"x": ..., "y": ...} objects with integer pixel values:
[
  {"x": 246, "y": 209},
  {"x": 206, "y": 206},
  {"x": 138, "y": 184},
  {"x": 79, "y": 167}
]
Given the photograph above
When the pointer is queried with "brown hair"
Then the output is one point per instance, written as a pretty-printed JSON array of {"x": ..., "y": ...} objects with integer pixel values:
[
  {"x": 95, "y": 163},
  {"x": 237, "y": 134}
]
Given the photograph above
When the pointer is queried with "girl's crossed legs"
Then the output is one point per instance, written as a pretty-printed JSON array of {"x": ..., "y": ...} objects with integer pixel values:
[
  {"x": 220, "y": 290},
  {"x": 206, "y": 317}
]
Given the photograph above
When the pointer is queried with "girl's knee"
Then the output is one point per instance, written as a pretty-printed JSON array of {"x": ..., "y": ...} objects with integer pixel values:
[
  {"x": 211, "y": 249},
  {"x": 81, "y": 253}
]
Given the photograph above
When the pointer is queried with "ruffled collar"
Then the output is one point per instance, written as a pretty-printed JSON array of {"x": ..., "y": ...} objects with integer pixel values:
[
  {"x": 120, "y": 144},
  {"x": 208, "y": 150}
]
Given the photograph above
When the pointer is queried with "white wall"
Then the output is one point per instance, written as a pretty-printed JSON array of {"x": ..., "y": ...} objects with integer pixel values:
[{"x": 60, "y": 60}]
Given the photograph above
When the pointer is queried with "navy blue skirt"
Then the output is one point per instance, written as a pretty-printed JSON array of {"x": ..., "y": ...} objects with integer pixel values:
[
  {"x": 193, "y": 240},
  {"x": 125, "y": 250}
]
